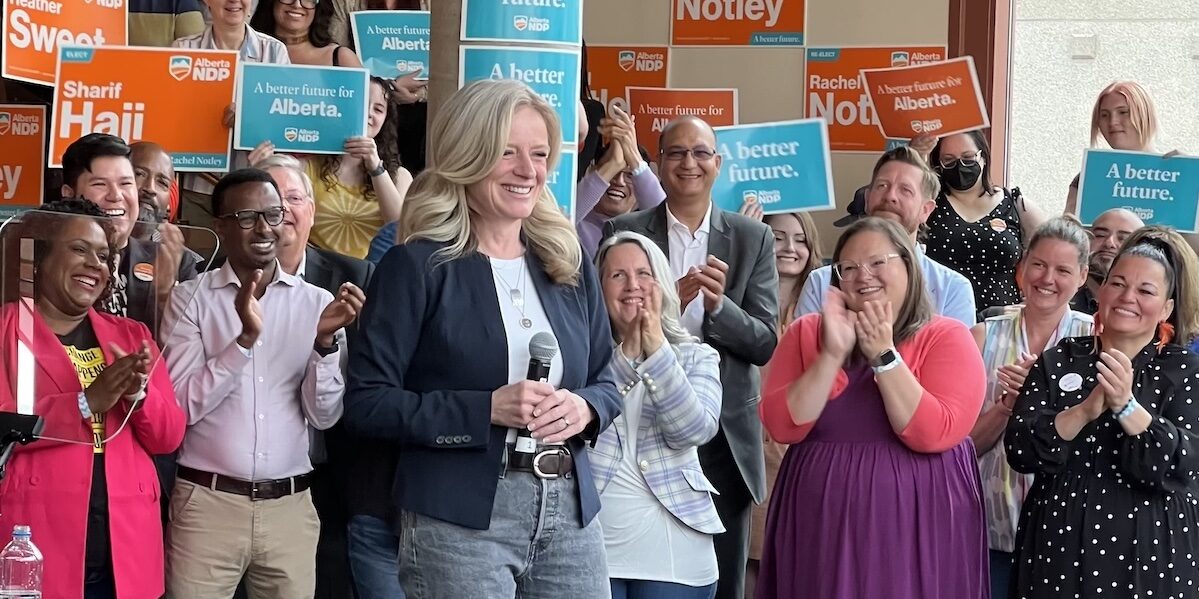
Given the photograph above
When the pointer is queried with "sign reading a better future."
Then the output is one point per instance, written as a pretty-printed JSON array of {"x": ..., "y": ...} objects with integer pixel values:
[
  {"x": 783, "y": 167},
  {"x": 1161, "y": 191}
]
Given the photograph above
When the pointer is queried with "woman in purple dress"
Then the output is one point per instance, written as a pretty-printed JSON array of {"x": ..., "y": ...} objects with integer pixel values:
[{"x": 879, "y": 494}]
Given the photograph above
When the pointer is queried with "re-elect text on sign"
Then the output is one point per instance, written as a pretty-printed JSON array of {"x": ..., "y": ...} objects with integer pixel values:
[
  {"x": 392, "y": 43},
  {"x": 34, "y": 29},
  {"x": 141, "y": 94},
  {"x": 784, "y": 166},
  {"x": 836, "y": 92},
  {"x": 653, "y": 108},
  {"x": 22, "y": 157},
  {"x": 1162, "y": 191},
  {"x": 527, "y": 21},
  {"x": 611, "y": 69},
  {"x": 300, "y": 108},
  {"x": 940, "y": 98},
  {"x": 553, "y": 74},
  {"x": 737, "y": 22}
]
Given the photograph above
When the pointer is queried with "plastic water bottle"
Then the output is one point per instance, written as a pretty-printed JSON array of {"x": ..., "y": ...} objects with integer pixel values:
[{"x": 20, "y": 567}]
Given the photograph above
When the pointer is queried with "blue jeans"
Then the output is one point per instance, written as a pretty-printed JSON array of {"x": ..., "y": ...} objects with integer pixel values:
[
  {"x": 534, "y": 549},
  {"x": 374, "y": 558},
  {"x": 651, "y": 589},
  {"x": 1001, "y": 570}
]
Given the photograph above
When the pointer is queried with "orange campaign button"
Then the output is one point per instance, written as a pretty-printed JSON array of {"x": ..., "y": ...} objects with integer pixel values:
[
  {"x": 611, "y": 69},
  {"x": 22, "y": 157},
  {"x": 836, "y": 91},
  {"x": 940, "y": 98},
  {"x": 737, "y": 22},
  {"x": 653, "y": 108},
  {"x": 34, "y": 29},
  {"x": 141, "y": 94}
]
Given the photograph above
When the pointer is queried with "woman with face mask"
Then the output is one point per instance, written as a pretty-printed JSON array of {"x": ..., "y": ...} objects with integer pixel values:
[{"x": 977, "y": 228}]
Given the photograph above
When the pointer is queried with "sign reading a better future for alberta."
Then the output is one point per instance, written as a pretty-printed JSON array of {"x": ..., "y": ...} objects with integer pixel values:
[
  {"x": 1162, "y": 191},
  {"x": 528, "y": 21},
  {"x": 783, "y": 166},
  {"x": 392, "y": 43},
  {"x": 300, "y": 108},
  {"x": 553, "y": 74}
]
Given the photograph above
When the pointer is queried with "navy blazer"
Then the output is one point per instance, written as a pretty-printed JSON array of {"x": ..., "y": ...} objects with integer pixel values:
[{"x": 432, "y": 349}]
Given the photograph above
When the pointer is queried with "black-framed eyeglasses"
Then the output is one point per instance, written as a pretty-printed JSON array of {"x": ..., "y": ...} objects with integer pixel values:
[
  {"x": 701, "y": 154},
  {"x": 246, "y": 219},
  {"x": 309, "y": 4},
  {"x": 848, "y": 270}
]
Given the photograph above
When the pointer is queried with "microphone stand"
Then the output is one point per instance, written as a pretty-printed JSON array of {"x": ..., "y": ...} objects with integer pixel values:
[{"x": 21, "y": 428}]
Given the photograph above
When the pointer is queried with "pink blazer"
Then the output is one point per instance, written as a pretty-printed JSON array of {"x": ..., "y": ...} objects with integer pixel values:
[{"x": 48, "y": 483}]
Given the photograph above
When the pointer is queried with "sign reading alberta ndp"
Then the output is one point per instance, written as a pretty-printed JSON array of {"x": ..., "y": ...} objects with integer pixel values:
[
  {"x": 1162, "y": 191},
  {"x": 783, "y": 166},
  {"x": 553, "y": 74},
  {"x": 141, "y": 94},
  {"x": 611, "y": 69},
  {"x": 737, "y": 22},
  {"x": 939, "y": 98},
  {"x": 34, "y": 29},
  {"x": 392, "y": 43},
  {"x": 836, "y": 91},
  {"x": 529, "y": 21},
  {"x": 22, "y": 157},
  {"x": 300, "y": 108}
]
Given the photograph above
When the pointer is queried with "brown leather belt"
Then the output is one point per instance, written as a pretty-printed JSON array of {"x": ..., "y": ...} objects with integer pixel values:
[
  {"x": 255, "y": 490},
  {"x": 546, "y": 463}
]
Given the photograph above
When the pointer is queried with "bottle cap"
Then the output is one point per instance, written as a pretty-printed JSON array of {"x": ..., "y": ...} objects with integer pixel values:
[{"x": 21, "y": 530}]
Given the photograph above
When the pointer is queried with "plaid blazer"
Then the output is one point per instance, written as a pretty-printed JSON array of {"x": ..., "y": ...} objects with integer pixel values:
[{"x": 681, "y": 411}]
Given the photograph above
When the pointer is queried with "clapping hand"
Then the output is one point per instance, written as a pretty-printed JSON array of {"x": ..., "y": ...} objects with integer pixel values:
[
  {"x": 1011, "y": 376},
  {"x": 1115, "y": 378},
  {"x": 873, "y": 325},
  {"x": 837, "y": 333},
  {"x": 711, "y": 277},
  {"x": 126, "y": 376},
  {"x": 340, "y": 312}
]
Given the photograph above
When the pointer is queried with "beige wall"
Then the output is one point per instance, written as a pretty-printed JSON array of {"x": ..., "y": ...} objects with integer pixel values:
[{"x": 771, "y": 79}]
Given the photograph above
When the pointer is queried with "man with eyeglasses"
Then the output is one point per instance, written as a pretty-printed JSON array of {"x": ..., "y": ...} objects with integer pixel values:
[
  {"x": 728, "y": 290},
  {"x": 904, "y": 189},
  {"x": 1108, "y": 233},
  {"x": 254, "y": 360}
]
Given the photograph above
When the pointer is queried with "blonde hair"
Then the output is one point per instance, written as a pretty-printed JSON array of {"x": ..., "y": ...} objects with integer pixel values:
[
  {"x": 660, "y": 266},
  {"x": 1141, "y": 112},
  {"x": 930, "y": 182},
  {"x": 466, "y": 141}
]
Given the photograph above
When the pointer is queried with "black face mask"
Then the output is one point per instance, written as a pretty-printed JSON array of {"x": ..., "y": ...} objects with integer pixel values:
[{"x": 960, "y": 177}]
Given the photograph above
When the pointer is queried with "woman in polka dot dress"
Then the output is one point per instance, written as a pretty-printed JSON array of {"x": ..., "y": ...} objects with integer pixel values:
[{"x": 1108, "y": 425}]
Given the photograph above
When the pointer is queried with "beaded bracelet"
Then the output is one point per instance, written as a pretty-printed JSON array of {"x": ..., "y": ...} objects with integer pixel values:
[{"x": 1127, "y": 410}]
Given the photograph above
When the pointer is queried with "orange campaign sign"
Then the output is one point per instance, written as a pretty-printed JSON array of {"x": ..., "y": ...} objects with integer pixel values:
[
  {"x": 653, "y": 108},
  {"x": 737, "y": 22},
  {"x": 836, "y": 91},
  {"x": 940, "y": 98},
  {"x": 611, "y": 69},
  {"x": 34, "y": 30},
  {"x": 144, "y": 94},
  {"x": 22, "y": 157}
]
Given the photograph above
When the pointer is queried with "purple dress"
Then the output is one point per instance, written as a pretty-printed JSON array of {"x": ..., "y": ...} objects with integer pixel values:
[{"x": 857, "y": 514}]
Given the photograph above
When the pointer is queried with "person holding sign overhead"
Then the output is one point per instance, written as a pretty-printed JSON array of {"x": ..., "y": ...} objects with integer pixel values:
[
  {"x": 977, "y": 228},
  {"x": 724, "y": 265}
]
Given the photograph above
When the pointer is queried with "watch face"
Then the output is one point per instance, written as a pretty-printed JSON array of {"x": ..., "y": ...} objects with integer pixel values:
[{"x": 885, "y": 358}]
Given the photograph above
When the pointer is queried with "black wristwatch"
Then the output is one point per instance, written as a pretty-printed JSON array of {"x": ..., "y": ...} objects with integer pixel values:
[
  {"x": 325, "y": 351},
  {"x": 379, "y": 170},
  {"x": 886, "y": 361}
]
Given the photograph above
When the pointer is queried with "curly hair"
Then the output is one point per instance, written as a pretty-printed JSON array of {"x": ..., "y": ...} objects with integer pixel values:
[
  {"x": 43, "y": 225},
  {"x": 387, "y": 141}
]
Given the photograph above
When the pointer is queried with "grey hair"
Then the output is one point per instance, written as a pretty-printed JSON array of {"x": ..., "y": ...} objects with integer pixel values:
[
  {"x": 660, "y": 266},
  {"x": 1067, "y": 230},
  {"x": 290, "y": 163}
]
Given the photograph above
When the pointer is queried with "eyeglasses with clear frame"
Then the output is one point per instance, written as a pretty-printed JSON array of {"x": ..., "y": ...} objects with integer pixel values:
[
  {"x": 848, "y": 270},
  {"x": 700, "y": 153}
]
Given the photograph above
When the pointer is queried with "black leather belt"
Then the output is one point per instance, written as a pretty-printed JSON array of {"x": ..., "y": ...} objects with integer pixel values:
[
  {"x": 255, "y": 490},
  {"x": 546, "y": 463}
]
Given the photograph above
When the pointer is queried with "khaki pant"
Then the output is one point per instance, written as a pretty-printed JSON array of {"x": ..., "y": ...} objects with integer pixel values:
[{"x": 214, "y": 538}]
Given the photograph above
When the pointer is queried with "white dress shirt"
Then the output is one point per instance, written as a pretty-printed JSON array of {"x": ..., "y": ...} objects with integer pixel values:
[
  {"x": 247, "y": 415},
  {"x": 688, "y": 250}
]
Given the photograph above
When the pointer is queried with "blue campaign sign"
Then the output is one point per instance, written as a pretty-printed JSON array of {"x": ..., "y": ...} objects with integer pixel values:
[
  {"x": 392, "y": 43},
  {"x": 300, "y": 108},
  {"x": 1162, "y": 191},
  {"x": 783, "y": 166},
  {"x": 561, "y": 181},
  {"x": 554, "y": 74},
  {"x": 531, "y": 21}
]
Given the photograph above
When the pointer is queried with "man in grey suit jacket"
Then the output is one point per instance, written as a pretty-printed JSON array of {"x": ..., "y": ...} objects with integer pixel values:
[{"x": 728, "y": 286}]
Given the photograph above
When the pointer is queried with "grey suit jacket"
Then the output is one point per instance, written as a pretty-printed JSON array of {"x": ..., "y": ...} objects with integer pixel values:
[{"x": 743, "y": 331}]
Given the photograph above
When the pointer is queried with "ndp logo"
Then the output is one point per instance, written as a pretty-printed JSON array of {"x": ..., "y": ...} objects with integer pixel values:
[
  {"x": 114, "y": 4},
  {"x": 180, "y": 67},
  {"x": 761, "y": 197},
  {"x": 200, "y": 69},
  {"x": 5, "y": 123},
  {"x": 18, "y": 125},
  {"x": 626, "y": 59},
  {"x": 527, "y": 23},
  {"x": 293, "y": 134}
]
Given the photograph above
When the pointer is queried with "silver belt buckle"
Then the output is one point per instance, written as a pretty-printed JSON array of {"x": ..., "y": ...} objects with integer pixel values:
[{"x": 537, "y": 464}]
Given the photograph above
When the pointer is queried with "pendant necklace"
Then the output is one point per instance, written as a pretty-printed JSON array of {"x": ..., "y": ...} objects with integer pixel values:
[{"x": 515, "y": 294}]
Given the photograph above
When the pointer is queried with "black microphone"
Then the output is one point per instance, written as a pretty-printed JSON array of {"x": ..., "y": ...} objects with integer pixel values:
[{"x": 542, "y": 349}]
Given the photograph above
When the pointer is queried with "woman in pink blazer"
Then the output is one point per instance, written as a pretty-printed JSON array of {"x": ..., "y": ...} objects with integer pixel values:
[{"x": 90, "y": 494}]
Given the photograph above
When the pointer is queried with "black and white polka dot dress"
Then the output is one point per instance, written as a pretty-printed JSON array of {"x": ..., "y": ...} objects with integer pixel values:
[
  {"x": 1109, "y": 514},
  {"x": 985, "y": 251}
]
